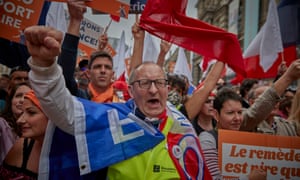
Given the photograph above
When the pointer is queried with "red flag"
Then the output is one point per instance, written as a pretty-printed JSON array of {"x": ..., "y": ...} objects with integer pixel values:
[
  {"x": 115, "y": 18},
  {"x": 267, "y": 43},
  {"x": 287, "y": 12},
  {"x": 254, "y": 70},
  {"x": 167, "y": 20},
  {"x": 122, "y": 77},
  {"x": 238, "y": 79},
  {"x": 206, "y": 65}
]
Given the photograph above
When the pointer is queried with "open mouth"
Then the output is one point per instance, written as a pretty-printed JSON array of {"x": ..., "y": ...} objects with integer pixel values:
[{"x": 153, "y": 101}]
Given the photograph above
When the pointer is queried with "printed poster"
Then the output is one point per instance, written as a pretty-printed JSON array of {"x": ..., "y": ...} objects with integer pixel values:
[
  {"x": 88, "y": 39},
  {"x": 16, "y": 15},
  {"x": 239, "y": 152}
]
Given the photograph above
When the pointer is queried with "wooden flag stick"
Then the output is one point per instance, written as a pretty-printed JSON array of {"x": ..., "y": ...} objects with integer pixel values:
[
  {"x": 106, "y": 28},
  {"x": 282, "y": 57},
  {"x": 137, "y": 18}
]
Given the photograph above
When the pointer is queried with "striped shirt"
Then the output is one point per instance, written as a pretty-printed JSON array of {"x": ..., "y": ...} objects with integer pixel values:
[{"x": 210, "y": 152}]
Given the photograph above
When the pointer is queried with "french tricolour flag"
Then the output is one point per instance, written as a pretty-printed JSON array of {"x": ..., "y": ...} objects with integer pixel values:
[
  {"x": 267, "y": 44},
  {"x": 265, "y": 53}
]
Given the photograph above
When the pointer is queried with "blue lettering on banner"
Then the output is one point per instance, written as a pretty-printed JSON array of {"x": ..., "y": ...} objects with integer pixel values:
[{"x": 137, "y": 6}]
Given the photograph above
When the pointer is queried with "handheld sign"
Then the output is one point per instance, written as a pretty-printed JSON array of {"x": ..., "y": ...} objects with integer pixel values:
[{"x": 240, "y": 152}]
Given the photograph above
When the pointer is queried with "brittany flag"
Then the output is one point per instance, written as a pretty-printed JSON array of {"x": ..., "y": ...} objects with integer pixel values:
[{"x": 107, "y": 134}]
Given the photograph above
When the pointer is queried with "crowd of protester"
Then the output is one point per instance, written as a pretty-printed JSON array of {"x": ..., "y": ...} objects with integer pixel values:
[{"x": 35, "y": 103}]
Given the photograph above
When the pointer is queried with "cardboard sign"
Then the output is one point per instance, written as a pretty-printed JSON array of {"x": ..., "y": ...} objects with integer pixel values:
[
  {"x": 16, "y": 15},
  {"x": 239, "y": 152},
  {"x": 118, "y": 8},
  {"x": 88, "y": 39},
  {"x": 89, "y": 33}
]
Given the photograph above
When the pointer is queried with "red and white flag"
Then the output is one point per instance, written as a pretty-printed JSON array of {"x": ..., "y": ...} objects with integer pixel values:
[
  {"x": 206, "y": 63},
  {"x": 267, "y": 44},
  {"x": 115, "y": 18}
]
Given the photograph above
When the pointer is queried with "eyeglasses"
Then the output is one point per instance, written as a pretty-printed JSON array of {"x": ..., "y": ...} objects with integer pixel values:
[{"x": 146, "y": 83}]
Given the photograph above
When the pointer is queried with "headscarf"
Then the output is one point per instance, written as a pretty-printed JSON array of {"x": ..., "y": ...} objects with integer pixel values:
[{"x": 32, "y": 97}]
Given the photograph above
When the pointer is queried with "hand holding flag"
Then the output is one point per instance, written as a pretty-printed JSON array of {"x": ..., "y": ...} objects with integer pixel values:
[{"x": 102, "y": 41}]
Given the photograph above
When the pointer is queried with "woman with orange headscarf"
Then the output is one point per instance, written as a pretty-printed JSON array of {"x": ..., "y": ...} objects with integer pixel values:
[{"x": 22, "y": 161}]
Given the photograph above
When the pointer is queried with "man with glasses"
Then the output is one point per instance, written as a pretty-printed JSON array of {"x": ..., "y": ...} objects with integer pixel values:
[
  {"x": 146, "y": 133},
  {"x": 189, "y": 105},
  {"x": 148, "y": 87}
]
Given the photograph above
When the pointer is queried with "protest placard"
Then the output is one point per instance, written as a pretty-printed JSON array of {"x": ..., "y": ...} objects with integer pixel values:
[
  {"x": 240, "y": 152},
  {"x": 16, "y": 15},
  {"x": 88, "y": 39}
]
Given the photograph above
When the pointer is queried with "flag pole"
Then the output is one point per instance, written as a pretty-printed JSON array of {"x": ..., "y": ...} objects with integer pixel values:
[
  {"x": 106, "y": 28},
  {"x": 137, "y": 17},
  {"x": 282, "y": 57},
  {"x": 100, "y": 46}
]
